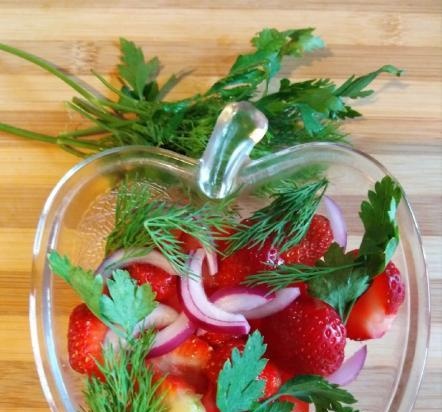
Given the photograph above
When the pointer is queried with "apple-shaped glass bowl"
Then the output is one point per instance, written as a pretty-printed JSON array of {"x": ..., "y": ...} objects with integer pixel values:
[{"x": 79, "y": 213}]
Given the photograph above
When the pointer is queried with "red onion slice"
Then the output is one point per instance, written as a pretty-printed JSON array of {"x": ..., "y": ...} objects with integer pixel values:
[
  {"x": 198, "y": 307},
  {"x": 124, "y": 257},
  {"x": 162, "y": 316},
  {"x": 172, "y": 336},
  {"x": 240, "y": 299},
  {"x": 212, "y": 261},
  {"x": 282, "y": 299},
  {"x": 337, "y": 221},
  {"x": 350, "y": 369}
]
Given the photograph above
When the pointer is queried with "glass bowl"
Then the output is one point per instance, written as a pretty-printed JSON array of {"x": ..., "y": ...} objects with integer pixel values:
[{"x": 79, "y": 213}]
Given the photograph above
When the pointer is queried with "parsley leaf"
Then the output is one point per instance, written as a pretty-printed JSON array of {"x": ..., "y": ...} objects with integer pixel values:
[
  {"x": 238, "y": 386},
  {"x": 378, "y": 214},
  {"x": 286, "y": 220},
  {"x": 88, "y": 285},
  {"x": 315, "y": 389},
  {"x": 353, "y": 86},
  {"x": 134, "y": 71},
  {"x": 127, "y": 303},
  {"x": 343, "y": 286},
  {"x": 277, "y": 407}
]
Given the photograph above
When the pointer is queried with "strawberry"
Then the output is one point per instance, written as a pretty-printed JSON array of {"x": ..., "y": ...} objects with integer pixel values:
[
  {"x": 307, "y": 337},
  {"x": 315, "y": 243},
  {"x": 374, "y": 312},
  {"x": 247, "y": 261},
  {"x": 209, "y": 399},
  {"x": 179, "y": 396},
  {"x": 219, "y": 357},
  {"x": 162, "y": 283},
  {"x": 250, "y": 260},
  {"x": 86, "y": 335},
  {"x": 270, "y": 373},
  {"x": 218, "y": 338},
  {"x": 188, "y": 361},
  {"x": 272, "y": 378}
]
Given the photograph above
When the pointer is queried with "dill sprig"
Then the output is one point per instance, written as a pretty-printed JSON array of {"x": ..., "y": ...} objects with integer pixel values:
[
  {"x": 285, "y": 220},
  {"x": 285, "y": 275},
  {"x": 129, "y": 383},
  {"x": 141, "y": 221}
]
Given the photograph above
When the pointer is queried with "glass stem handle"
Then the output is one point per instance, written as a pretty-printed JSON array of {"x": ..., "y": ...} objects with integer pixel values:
[{"x": 239, "y": 127}]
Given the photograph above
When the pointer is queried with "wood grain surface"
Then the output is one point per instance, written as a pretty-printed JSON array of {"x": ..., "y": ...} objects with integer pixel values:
[{"x": 401, "y": 127}]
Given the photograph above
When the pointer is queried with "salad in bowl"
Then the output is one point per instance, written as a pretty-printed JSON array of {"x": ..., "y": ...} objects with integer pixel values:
[{"x": 281, "y": 284}]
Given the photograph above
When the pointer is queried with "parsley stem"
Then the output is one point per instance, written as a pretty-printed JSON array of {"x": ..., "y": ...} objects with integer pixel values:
[
  {"x": 90, "y": 131},
  {"x": 69, "y": 80},
  {"x": 27, "y": 133}
]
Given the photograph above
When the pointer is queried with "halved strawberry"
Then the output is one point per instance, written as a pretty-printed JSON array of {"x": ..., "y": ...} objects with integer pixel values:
[
  {"x": 86, "y": 335},
  {"x": 163, "y": 284},
  {"x": 307, "y": 337},
  {"x": 374, "y": 312},
  {"x": 180, "y": 396},
  {"x": 187, "y": 361}
]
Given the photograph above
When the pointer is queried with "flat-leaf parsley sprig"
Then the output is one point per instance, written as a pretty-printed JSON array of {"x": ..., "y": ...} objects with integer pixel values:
[
  {"x": 298, "y": 112},
  {"x": 239, "y": 388},
  {"x": 121, "y": 309}
]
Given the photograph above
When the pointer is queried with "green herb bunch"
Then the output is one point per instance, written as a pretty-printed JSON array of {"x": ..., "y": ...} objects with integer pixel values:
[{"x": 139, "y": 114}]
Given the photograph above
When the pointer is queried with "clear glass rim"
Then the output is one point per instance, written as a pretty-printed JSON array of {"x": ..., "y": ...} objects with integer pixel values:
[{"x": 38, "y": 310}]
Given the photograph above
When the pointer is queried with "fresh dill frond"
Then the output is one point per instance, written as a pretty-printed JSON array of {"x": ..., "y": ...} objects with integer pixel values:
[
  {"x": 285, "y": 220},
  {"x": 129, "y": 383},
  {"x": 285, "y": 275},
  {"x": 142, "y": 221}
]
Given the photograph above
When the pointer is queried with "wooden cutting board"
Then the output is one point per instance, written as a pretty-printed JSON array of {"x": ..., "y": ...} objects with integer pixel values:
[{"x": 401, "y": 127}]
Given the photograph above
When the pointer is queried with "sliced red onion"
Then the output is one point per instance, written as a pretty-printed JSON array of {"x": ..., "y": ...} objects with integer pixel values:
[
  {"x": 198, "y": 307},
  {"x": 282, "y": 299},
  {"x": 337, "y": 221},
  {"x": 350, "y": 369},
  {"x": 124, "y": 257},
  {"x": 239, "y": 299},
  {"x": 162, "y": 316},
  {"x": 212, "y": 261},
  {"x": 172, "y": 336}
]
